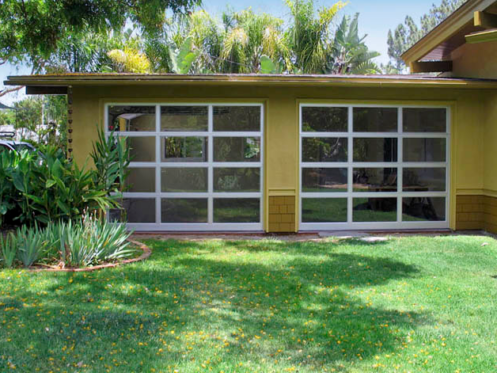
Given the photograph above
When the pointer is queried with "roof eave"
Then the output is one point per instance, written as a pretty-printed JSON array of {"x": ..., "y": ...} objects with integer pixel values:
[
  {"x": 150, "y": 79},
  {"x": 444, "y": 30}
]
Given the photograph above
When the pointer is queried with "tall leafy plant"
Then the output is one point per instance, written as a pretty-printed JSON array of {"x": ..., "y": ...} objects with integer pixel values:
[
  {"x": 45, "y": 186},
  {"x": 111, "y": 156},
  {"x": 8, "y": 160}
]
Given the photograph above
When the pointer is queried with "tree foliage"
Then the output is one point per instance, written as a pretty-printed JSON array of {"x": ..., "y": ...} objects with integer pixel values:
[
  {"x": 28, "y": 115},
  {"x": 408, "y": 33},
  {"x": 350, "y": 54},
  {"x": 35, "y": 32},
  {"x": 136, "y": 36},
  {"x": 32, "y": 29},
  {"x": 248, "y": 42}
]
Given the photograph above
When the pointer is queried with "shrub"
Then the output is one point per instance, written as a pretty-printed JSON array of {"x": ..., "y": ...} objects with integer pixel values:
[
  {"x": 80, "y": 243},
  {"x": 44, "y": 187},
  {"x": 111, "y": 157},
  {"x": 9, "y": 195},
  {"x": 31, "y": 244},
  {"x": 8, "y": 249},
  {"x": 94, "y": 241}
]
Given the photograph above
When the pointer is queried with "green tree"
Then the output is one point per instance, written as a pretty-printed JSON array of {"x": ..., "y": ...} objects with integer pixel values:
[
  {"x": 31, "y": 112},
  {"x": 31, "y": 31},
  {"x": 247, "y": 42},
  {"x": 248, "y": 37},
  {"x": 408, "y": 33},
  {"x": 350, "y": 55},
  {"x": 310, "y": 38}
]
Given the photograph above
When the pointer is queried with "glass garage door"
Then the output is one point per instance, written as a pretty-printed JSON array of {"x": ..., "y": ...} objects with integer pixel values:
[
  {"x": 194, "y": 167},
  {"x": 374, "y": 167}
]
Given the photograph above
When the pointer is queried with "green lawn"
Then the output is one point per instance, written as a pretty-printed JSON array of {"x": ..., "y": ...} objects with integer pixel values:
[{"x": 412, "y": 304}]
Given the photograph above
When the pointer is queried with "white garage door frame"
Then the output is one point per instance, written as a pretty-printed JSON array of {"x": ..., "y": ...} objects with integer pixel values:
[
  {"x": 210, "y": 195},
  {"x": 350, "y": 165}
]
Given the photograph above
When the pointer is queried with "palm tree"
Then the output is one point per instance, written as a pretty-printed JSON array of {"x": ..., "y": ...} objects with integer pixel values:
[
  {"x": 349, "y": 54},
  {"x": 249, "y": 37},
  {"x": 247, "y": 42},
  {"x": 309, "y": 37}
]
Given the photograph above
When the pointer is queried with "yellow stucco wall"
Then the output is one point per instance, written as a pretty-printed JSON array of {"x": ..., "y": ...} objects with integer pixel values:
[
  {"x": 475, "y": 61},
  {"x": 490, "y": 160},
  {"x": 470, "y": 112}
]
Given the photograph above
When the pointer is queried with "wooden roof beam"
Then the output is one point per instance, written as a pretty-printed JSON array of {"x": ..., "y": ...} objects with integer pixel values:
[
  {"x": 485, "y": 20},
  {"x": 482, "y": 37},
  {"x": 430, "y": 66},
  {"x": 46, "y": 90}
]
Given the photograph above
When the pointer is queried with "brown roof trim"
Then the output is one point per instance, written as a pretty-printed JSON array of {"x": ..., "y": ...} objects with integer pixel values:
[
  {"x": 445, "y": 29},
  {"x": 94, "y": 79}
]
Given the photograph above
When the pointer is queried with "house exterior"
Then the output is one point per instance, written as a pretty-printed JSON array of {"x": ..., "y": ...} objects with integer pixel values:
[{"x": 290, "y": 153}]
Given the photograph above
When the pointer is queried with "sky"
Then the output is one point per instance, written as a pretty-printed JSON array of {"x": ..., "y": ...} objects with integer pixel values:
[{"x": 376, "y": 18}]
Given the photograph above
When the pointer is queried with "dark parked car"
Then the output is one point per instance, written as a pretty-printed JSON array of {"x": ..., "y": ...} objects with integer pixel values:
[{"x": 11, "y": 145}]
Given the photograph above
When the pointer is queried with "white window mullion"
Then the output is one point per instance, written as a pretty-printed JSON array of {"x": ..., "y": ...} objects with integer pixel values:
[
  {"x": 261, "y": 168},
  {"x": 210, "y": 161},
  {"x": 299, "y": 178},
  {"x": 158, "y": 175},
  {"x": 350, "y": 165},
  {"x": 324, "y": 134},
  {"x": 400, "y": 158}
]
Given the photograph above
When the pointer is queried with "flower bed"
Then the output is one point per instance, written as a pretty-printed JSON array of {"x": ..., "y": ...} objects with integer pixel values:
[
  {"x": 85, "y": 243},
  {"x": 146, "y": 253}
]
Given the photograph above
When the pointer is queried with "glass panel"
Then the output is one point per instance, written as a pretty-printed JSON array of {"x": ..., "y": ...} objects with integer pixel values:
[
  {"x": 184, "y": 118},
  {"x": 142, "y": 149},
  {"x": 135, "y": 210},
  {"x": 424, "y": 120},
  {"x": 319, "y": 149},
  {"x": 237, "y": 179},
  {"x": 184, "y": 149},
  {"x": 423, "y": 209},
  {"x": 424, "y": 179},
  {"x": 184, "y": 210},
  {"x": 374, "y": 209},
  {"x": 141, "y": 180},
  {"x": 324, "y": 210},
  {"x": 178, "y": 180},
  {"x": 237, "y": 118},
  {"x": 325, "y": 119},
  {"x": 324, "y": 180},
  {"x": 375, "y": 180},
  {"x": 131, "y": 118},
  {"x": 237, "y": 210},
  {"x": 424, "y": 150},
  {"x": 376, "y": 119},
  {"x": 237, "y": 149},
  {"x": 375, "y": 150}
]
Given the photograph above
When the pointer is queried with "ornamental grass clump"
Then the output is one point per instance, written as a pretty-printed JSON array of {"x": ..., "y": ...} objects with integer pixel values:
[
  {"x": 8, "y": 249},
  {"x": 31, "y": 245},
  {"x": 93, "y": 241},
  {"x": 81, "y": 243}
]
